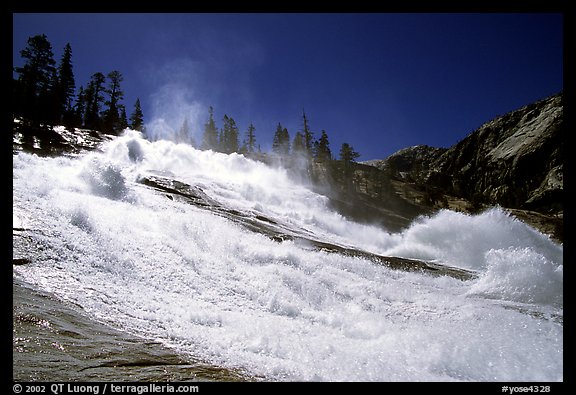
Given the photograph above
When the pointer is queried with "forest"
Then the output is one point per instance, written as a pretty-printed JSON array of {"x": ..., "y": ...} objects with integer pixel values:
[{"x": 44, "y": 94}]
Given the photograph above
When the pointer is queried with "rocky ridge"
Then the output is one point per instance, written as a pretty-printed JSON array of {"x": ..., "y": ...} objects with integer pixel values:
[{"x": 514, "y": 161}]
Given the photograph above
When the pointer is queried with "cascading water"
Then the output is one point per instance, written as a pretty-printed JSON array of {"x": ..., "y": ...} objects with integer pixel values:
[{"x": 208, "y": 287}]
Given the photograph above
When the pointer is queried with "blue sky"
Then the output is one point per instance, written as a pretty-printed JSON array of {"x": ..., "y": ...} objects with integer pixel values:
[{"x": 379, "y": 81}]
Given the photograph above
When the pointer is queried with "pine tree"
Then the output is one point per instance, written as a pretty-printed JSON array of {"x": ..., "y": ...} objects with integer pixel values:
[
  {"x": 229, "y": 136},
  {"x": 79, "y": 109},
  {"x": 66, "y": 86},
  {"x": 221, "y": 138},
  {"x": 137, "y": 118},
  {"x": 115, "y": 95},
  {"x": 183, "y": 135},
  {"x": 286, "y": 142},
  {"x": 250, "y": 141},
  {"x": 35, "y": 79},
  {"x": 277, "y": 140},
  {"x": 281, "y": 141},
  {"x": 308, "y": 135},
  {"x": 17, "y": 97},
  {"x": 322, "y": 148},
  {"x": 210, "y": 136},
  {"x": 347, "y": 154},
  {"x": 94, "y": 99},
  {"x": 298, "y": 145},
  {"x": 123, "y": 121},
  {"x": 48, "y": 102}
]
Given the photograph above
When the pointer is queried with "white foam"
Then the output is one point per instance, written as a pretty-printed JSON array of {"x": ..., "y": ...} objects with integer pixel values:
[
  {"x": 208, "y": 287},
  {"x": 521, "y": 274}
]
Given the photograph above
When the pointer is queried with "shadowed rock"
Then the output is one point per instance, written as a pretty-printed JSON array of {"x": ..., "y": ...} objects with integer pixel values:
[{"x": 177, "y": 190}]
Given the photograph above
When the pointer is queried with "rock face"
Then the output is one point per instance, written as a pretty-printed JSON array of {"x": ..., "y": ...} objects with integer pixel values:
[
  {"x": 515, "y": 161},
  {"x": 409, "y": 164}
]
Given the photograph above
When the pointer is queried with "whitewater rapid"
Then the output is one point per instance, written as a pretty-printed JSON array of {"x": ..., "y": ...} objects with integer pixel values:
[{"x": 205, "y": 286}]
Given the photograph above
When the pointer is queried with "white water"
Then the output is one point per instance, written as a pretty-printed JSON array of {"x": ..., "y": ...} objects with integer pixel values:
[{"x": 206, "y": 286}]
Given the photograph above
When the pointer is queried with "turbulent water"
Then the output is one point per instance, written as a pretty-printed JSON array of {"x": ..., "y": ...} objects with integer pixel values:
[{"x": 209, "y": 288}]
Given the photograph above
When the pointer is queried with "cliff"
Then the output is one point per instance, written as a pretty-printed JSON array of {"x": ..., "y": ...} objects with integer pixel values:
[{"x": 515, "y": 161}]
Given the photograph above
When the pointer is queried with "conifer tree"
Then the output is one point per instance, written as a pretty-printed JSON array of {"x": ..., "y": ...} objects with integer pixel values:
[
  {"x": 298, "y": 145},
  {"x": 35, "y": 80},
  {"x": 111, "y": 119},
  {"x": 286, "y": 142},
  {"x": 183, "y": 134},
  {"x": 66, "y": 86},
  {"x": 348, "y": 154},
  {"x": 94, "y": 99},
  {"x": 123, "y": 121},
  {"x": 79, "y": 108},
  {"x": 50, "y": 112},
  {"x": 249, "y": 145},
  {"x": 229, "y": 136},
  {"x": 210, "y": 135},
  {"x": 221, "y": 138},
  {"x": 281, "y": 141},
  {"x": 137, "y": 118},
  {"x": 308, "y": 135},
  {"x": 322, "y": 148}
]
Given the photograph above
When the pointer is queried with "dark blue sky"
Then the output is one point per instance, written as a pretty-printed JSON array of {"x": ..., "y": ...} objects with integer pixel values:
[{"x": 379, "y": 81}]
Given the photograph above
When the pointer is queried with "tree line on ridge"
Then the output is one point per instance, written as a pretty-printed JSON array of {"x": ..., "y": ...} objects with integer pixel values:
[{"x": 44, "y": 93}]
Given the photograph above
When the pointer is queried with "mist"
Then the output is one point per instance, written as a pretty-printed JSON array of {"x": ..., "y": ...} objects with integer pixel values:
[
  {"x": 174, "y": 105},
  {"x": 216, "y": 72}
]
